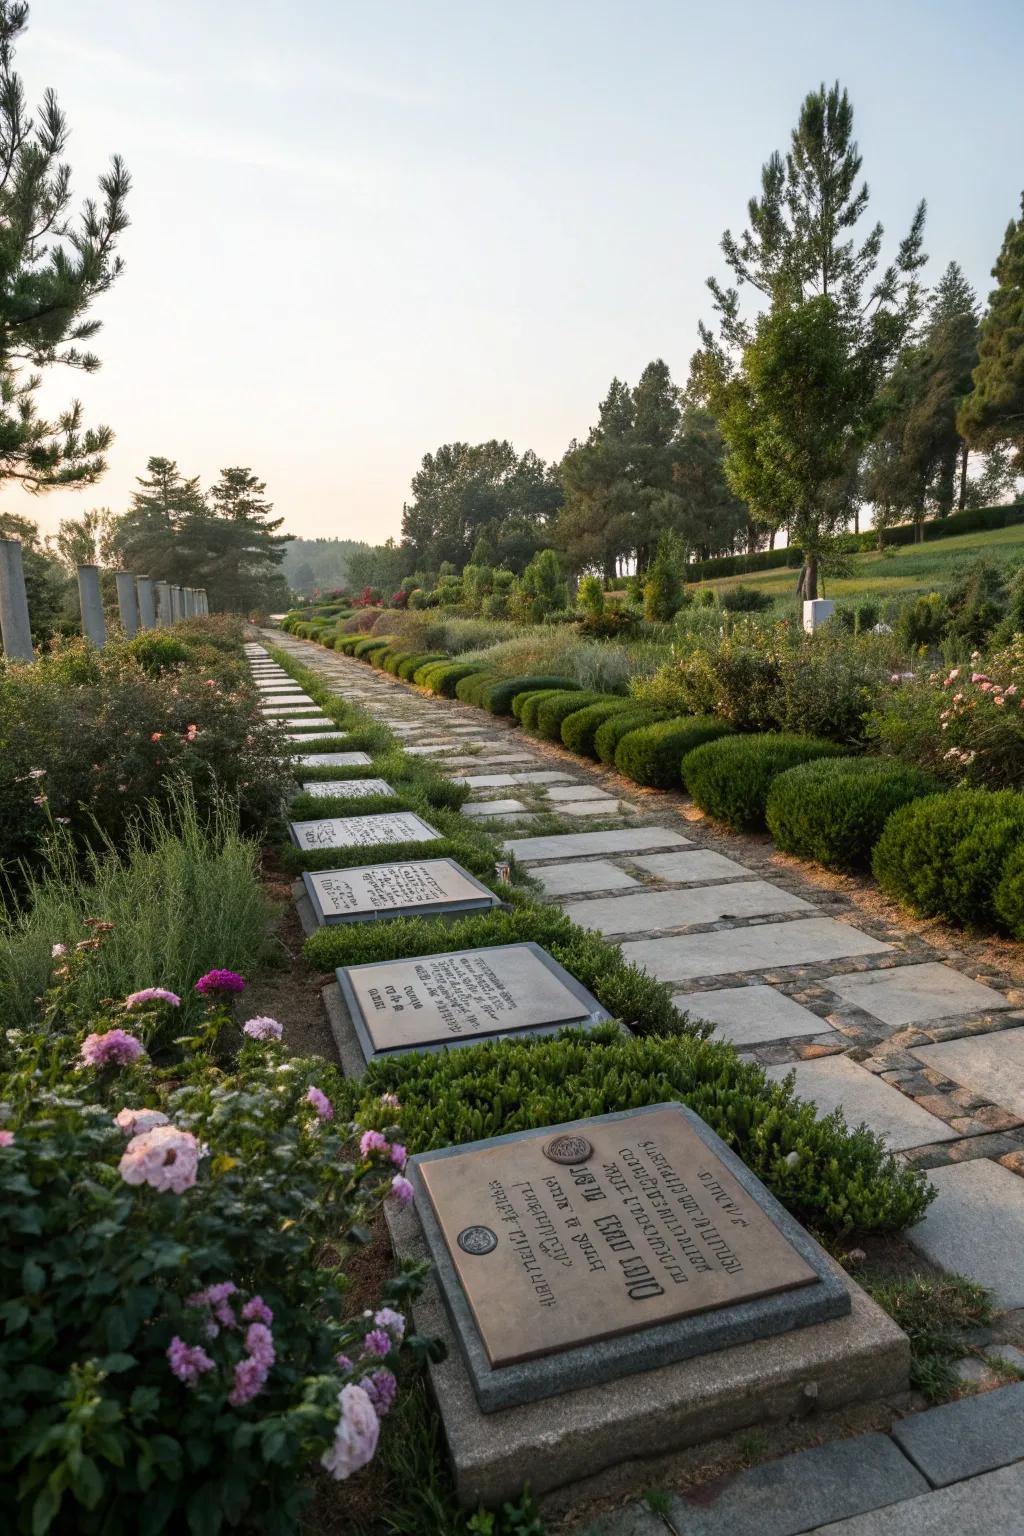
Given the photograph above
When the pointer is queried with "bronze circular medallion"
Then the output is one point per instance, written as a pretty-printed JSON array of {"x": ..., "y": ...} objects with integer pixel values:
[
  {"x": 477, "y": 1240},
  {"x": 570, "y": 1148}
]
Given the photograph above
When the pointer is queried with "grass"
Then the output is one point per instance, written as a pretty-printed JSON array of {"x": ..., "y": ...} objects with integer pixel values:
[
  {"x": 183, "y": 894},
  {"x": 934, "y": 1312}
]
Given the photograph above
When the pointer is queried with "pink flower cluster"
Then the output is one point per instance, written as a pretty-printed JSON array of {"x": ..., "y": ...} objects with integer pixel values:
[
  {"x": 382, "y": 1389},
  {"x": 355, "y": 1439},
  {"x": 188, "y": 1361},
  {"x": 374, "y": 1141},
  {"x": 215, "y": 1299},
  {"x": 152, "y": 995},
  {"x": 6, "y": 1138},
  {"x": 252, "y": 1372},
  {"x": 402, "y": 1190},
  {"x": 164, "y": 1158},
  {"x": 114, "y": 1048},
  {"x": 320, "y": 1102},
  {"x": 1000, "y": 696},
  {"x": 214, "y": 982},
  {"x": 262, "y": 1028},
  {"x": 134, "y": 1122}
]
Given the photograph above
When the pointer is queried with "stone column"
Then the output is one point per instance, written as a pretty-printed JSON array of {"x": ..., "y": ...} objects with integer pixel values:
[
  {"x": 94, "y": 626},
  {"x": 163, "y": 603},
  {"x": 147, "y": 609},
  {"x": 127, "y": 603},
  {"x": 15, "y": 626},
  {"x": 204, "y": 603},
  {"x": 190, "y": 602},
  {"x": 177, "y": 610}
]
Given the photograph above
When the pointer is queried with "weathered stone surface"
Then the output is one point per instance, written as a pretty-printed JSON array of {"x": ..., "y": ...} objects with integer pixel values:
[
  {"x": 346, "y": 789},
  {"x": 836, "y": 1082},
  {"x": 333, "y": 760},
  {"x": 803, "y": 942},
  {"x": 308, "y": 723},
  {"x": 647, "y": 910},
  {"x": 362, "y": 831},
  {"x": 579, "y": 792},
  {"x": 691, "y": 867},
  {"x": 786, "y": 1497},
  {"x": 991, "y": 1064},
  {"x": 912, "y": 994},
  {"x": 583, "y": 875},
  {"x": 493, "y": 808},
  {"x": 423, "y": 888},
  {"x": 567, "y": 845},
  {"x": 752, "y": 1015},
  {"x": 976, "y": 1227},
  {"x": 302, "y": 705},
  {"x": 985, "y": 1506},
  {"x": 509, "y": 780},
  {"x": 633, "y": 1520},
  {"x": 584, "y": 808}
]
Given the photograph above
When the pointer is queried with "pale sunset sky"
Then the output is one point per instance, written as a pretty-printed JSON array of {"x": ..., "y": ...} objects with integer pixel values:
[{"x": 362, "y": 230}]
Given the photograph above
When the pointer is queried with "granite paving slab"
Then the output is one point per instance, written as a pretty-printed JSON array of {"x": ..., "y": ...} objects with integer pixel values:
[
  {"x": 508, "y": 780},
  {"x": 651, "y": 910},
  {"x": 786, "y": 1497},
  {"x": 752, "y": 1015},
  {"x": 579, "y": 792},
  {"x": 493, "y": 808},
  {"x": 567, "y": 845},
  {"x": 962, "y": 1439},
  {"x": 913, "y": 994},
  {"x": 991, "y": 1064},
  {"x": 691, "y": 867},
  {"x": 586, "y": 875},
  {"x": 976, "y": 1227},
  {"x": 766, "y": 947},
  {"x": 989, "y": 1505},
  {"x": 591, "y": 807},
  {"x": 836, "y": 1082}
]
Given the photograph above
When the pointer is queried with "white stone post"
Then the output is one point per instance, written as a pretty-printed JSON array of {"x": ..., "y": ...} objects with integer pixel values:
[
  {"x": 94, "y": 625},
  {"x": 177, "y": 611},
  {"x": 127, "y": 603},
  {"x": 817, "y": 611},
  {"x": 147, "y": 608},
  {"x": 15, "y": 625},
  {"x": 163, "y": 603}
]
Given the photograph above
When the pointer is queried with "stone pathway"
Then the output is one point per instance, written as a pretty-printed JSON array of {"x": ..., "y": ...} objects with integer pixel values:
[{"x": 922, "y": 1044}]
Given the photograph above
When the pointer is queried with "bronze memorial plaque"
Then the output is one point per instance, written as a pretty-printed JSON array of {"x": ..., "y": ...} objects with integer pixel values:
[{"x": 649, "y": 1228}]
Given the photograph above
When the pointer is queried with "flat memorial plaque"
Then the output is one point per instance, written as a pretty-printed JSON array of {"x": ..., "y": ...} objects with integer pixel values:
[
  {"x": 395, "y": 890},
  {"x": 582, "y": 1252},
  {"x": 362, "y": 831},
  {"x": 346, "y": 789},
  {"x": 459, "y": 998},
  {"x": 333, "y": 760}
]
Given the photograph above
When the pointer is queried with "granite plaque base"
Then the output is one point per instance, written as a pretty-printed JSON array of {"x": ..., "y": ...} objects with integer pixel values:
[
  {"x": 434, "y": 1002},
  {"x": 346, "y": 789},
  {"x": 362, "y": 831},
  {"x": 580, "y": 1253},
  {"x": 333, "y": 760},
  {"x": 372, "y": 891}
]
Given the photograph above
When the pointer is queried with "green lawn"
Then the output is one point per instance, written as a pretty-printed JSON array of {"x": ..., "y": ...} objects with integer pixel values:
[{"x": 889, "y": 573}]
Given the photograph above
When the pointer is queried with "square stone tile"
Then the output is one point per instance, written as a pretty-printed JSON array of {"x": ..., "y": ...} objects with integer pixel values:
[
  {"x": 588, "y": 807},
  {"x": 836, "y": 1082},
  {"x": 508, "y": 780},
  {"x": 976, "y": 1227},
  {"x": 768, "y": 947},
  {"x": 692, "y": 867},
  {"x": 592, "y": 875},
  {"x": 752, "y": 1015},
  {"x": 912, "y": 994},
  {"x": 992, "y": 1065},
  {"x": 961, "y": 1439},
  {"x": 651, "y": 910},
  {"x": 568, "y": 845},
  {"x": 580, "y": 792},
  {"x": 493, "y": 808},
  {"x": 989, "y": 1505}
]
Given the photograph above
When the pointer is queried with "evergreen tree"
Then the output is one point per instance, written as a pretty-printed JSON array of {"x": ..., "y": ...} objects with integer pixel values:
[
  {"x": 243, "y": 548},
  {"x": 161, "y": 534},
  {"x": 465, "y": 490},
  {"x": 796, "y": 391},
  {"x": 54, "y": 266},
  {"x": 596, "y": 523},
  {"x": 992, "y": 416}
]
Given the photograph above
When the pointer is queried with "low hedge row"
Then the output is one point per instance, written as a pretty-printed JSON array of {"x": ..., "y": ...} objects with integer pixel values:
[
  {"x": 834, "y": 809},
  {"x": 730, "y": 778},
  {"x": 580, "y": 727},
  {"x": 555, "y": 708},
  {"x": 653, "y": 754},
  {"x": 470, "y": 690},
  {"x": 525, "y": 705},
  {"x": 499, "y": 695},
  {"x": 611, "y": 731}
]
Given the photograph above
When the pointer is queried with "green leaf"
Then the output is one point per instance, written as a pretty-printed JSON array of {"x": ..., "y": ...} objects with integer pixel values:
[
  {"x": 116, "y": 1362},
  {"x": 44, "y": 1510},
  {"x": 33, "y": 1277},
  {"x": 86, "y": 1482}
]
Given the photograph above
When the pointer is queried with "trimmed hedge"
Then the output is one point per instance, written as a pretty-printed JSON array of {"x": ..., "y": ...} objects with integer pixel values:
[
  {"x": 833, "y": 809},
  {"x": 476, "y": 857},
  {"x": 498, "y": 698},
  {"x": 443, "y": 677},
  {"x": 730, "y": 778},
  {"x": 946, "y": 855},
  {"x": 554, "y": 708},
  {"x": 610, "y": 733},
  {"x": 414, "y": 664},
  {"x": 1008, "y": 900},
  {"x": 527, "y": 704},
  {"x": 579, "y": 728},
  {"x": 832, "y": 1178},
  {"x": 363, "y": 648},
  {"x": 653, "y": 754},
  {"x": 470, "y": 689}
]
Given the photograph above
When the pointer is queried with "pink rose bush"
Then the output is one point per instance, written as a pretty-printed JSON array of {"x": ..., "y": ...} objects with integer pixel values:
[{"x": 114, "y": 1048}]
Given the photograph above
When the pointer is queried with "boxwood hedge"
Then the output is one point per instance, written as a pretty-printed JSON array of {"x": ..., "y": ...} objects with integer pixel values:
[
  {"x": 1008, "y": 900},
  {"x": 653, "y": 754},
  {"x": 730, "y": 778},
  {"x": 498, "y": 698},
  {"x": 554, "y": 708},
  {"x": 833, "y": 809},
  {"x": 946, "y": 855},
  {"x": 580, "y": 727},
  {"x": 443, "y": 677},
  {"x": 527, "y": 704},
  {"x": 610, "y": 733},
  {"x": 470, "y": 689},
  {"x": 834, "y": 1179}
]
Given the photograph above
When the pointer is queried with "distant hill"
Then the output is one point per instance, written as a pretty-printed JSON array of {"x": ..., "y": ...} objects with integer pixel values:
[{"x": 317, "y": 565}]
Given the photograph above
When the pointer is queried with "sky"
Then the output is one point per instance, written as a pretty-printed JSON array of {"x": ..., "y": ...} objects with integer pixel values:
[{"x": 362, "y": 230}]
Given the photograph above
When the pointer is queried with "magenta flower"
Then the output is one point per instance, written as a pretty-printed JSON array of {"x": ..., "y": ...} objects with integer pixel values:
[
  {"x": 398, "y": 1156},
  {"x": 188, "y": 1361},
  {"x": 355, "y": 1439},
  {"x": 228, "y": 982},
  {"x": 153, "y": 995},
  {"x": 343, "y": 1362},
  {"x": 252, "y": 1372},
  {"x": 320, "y": 1102},
  {"x": 257, "y": 1311},
  {"x": 377, "y": 1342},
  {"x": 164, "y": 1158},
  {"x": 115, "y": 1048},
  {"x": 6, "y": 1138},
  {"x": 382, "y": 1389},
  {"x": 402, "y": 1190},
  {"x": 372, "y": 1141},
  {"x": 262, "y": 1028},
  {"x": 215, "y": 1297}
]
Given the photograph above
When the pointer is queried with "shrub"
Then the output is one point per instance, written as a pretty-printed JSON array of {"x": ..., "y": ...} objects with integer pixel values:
[
  {"x": 1008, "y": 901},
  {"x": 443, "y": 677},
  {"x": 414, "y": 664},
  {"x": 580, "y": 726},
  {"x": 663, "y": 588},
  {"x": 741, "y": 599},
  {"x": 157, "y": 652},
  {"x": 590, "y": 597},
  {"x": 363, "y": 649},
  {"x": 611, "y": 731},
  {"x": 923, "y": 620},
  {"x": 470, "y": 688},
  {"x": 652, "y": 754},
  {"x": 945, "y": 855},
  {"x": 730, "y": 778},
  {"x": 833, "y": 1178},
  {"x": 498, "y": 697},
  {"x": 525, "y": 705},
  {"x": 553, "y": 709},
  {"x": 834, "y": 809}
]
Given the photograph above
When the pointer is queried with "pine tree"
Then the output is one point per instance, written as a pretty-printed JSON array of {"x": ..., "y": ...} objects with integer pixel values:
[
  {"x": 54, "y": 266},
  {"x": 993, "y": 413},
  {"x": 242, "y": 545},
  {"x": 161, "y": 534}
]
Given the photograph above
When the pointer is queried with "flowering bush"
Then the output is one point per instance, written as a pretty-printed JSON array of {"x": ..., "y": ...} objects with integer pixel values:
[{"x": 177, "y": 1354}]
